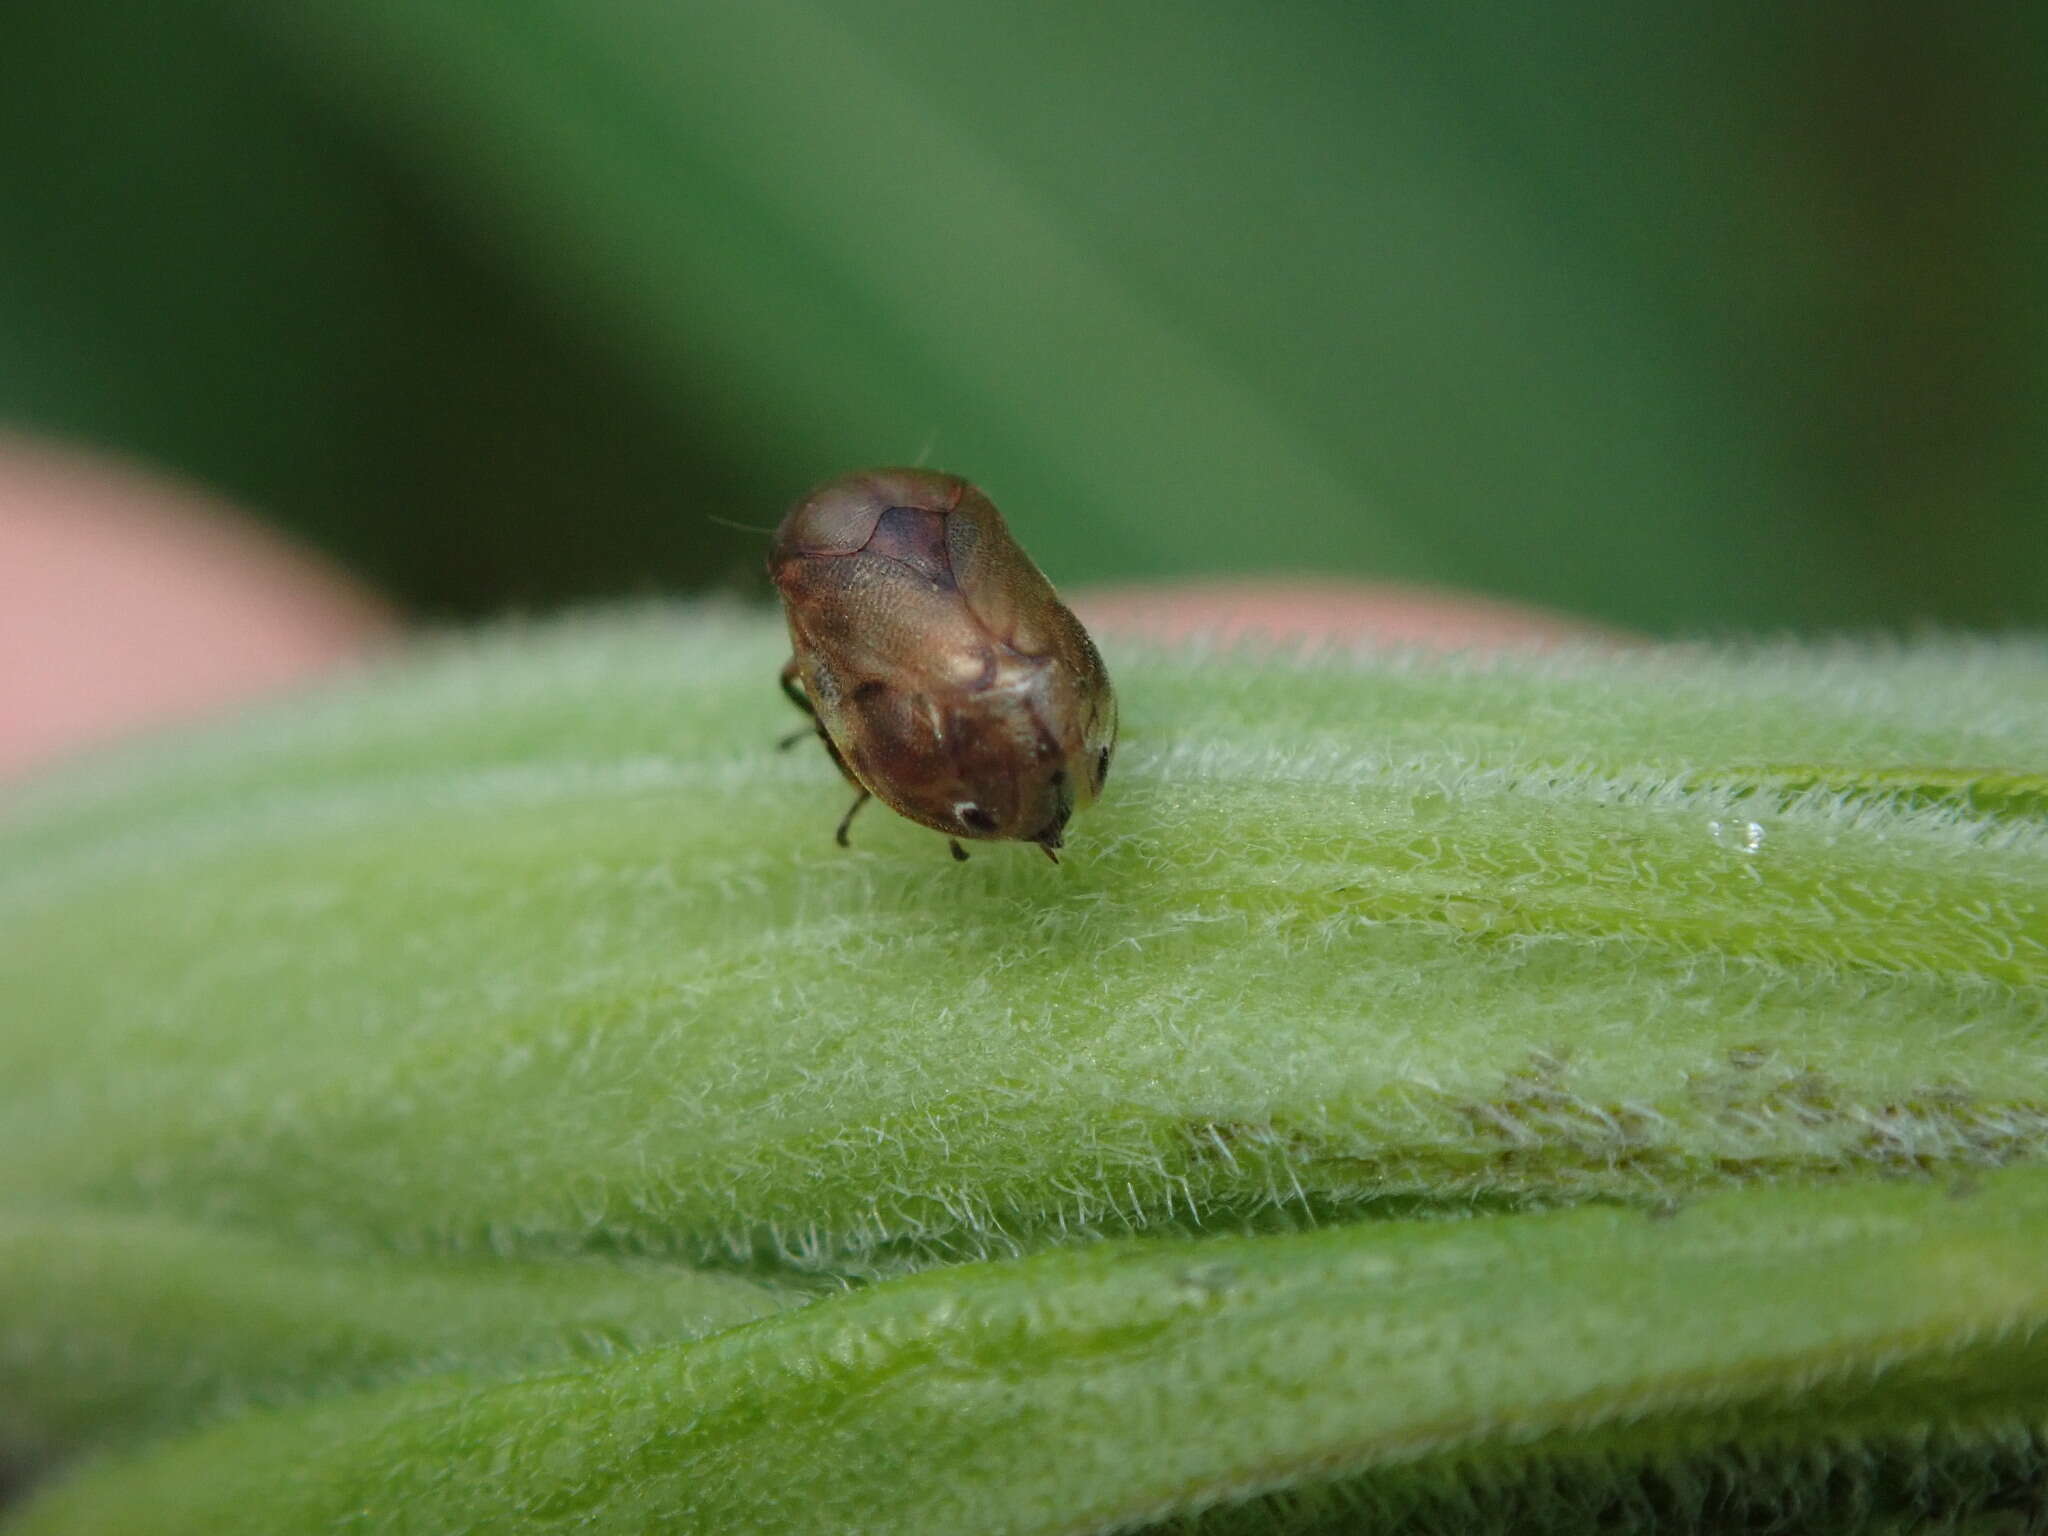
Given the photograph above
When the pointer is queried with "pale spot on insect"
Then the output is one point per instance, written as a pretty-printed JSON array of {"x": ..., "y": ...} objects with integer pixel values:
[{"x": 970, "y": 669}]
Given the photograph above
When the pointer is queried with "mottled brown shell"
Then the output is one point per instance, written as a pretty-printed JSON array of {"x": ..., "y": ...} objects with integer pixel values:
[{"x": 943, "y": 669}]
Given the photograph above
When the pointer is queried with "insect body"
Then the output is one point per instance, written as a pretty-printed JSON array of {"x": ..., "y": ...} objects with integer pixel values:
[{"x": 942, "y": 672}]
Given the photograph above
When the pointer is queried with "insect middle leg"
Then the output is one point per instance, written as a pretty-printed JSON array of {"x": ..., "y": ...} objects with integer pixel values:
[{"x": 846, "y": 821}]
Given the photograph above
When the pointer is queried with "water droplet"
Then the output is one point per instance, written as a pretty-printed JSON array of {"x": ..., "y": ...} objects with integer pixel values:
[
  {"x": 1208, "y": 1281},
  {"x": 1203, "y": 1285},
  {"x": 1742, "y": 836}
]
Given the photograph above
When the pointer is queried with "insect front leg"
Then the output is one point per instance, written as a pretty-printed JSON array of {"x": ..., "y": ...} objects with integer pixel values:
[{"x": 792, "y": 689}]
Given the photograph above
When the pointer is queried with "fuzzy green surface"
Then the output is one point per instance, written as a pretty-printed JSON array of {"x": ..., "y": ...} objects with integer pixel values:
[
  {"x": 479, "y": 1031},
  {"x": 1087, "y": 1389}
]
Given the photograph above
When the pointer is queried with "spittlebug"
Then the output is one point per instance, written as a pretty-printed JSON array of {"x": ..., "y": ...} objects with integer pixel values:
[{"x": 943, "y": 674}]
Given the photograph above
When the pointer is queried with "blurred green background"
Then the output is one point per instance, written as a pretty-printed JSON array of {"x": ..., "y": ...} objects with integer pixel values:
[{"x": 1687, "y": 317}]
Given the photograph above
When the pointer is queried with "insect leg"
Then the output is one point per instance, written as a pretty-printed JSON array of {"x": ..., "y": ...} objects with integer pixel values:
[
  {"x": 958, "y": 852},
  {"x": 792, "y": 690},
  {"x": 847, "y": 820}
]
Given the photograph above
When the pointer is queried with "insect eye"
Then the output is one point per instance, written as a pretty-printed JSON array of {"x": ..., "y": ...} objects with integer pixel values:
[
  {"x": 1101, "y": 768},
  {"x": 974, "y": 818}
]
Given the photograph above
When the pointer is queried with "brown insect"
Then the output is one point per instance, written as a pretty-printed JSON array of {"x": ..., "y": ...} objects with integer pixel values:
[{"x": 943, "y": 674}]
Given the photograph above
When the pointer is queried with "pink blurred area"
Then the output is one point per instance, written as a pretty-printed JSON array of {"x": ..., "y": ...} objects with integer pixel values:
[{"x": 128, "y": 601}]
